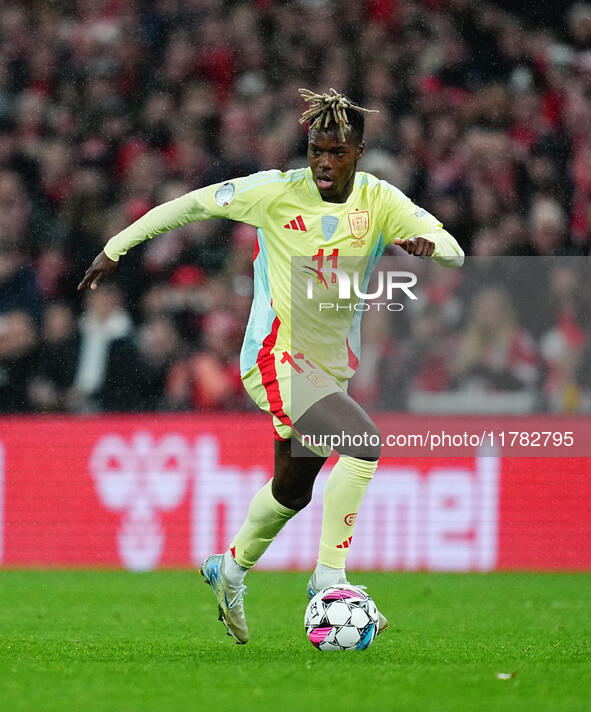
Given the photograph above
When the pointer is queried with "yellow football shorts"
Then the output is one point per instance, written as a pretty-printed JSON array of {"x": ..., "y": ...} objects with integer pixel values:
[{"x": 286, "y": 384}]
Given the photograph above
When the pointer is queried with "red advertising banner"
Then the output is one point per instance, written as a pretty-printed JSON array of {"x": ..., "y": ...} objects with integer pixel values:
[{"x": 167, "y": 490}]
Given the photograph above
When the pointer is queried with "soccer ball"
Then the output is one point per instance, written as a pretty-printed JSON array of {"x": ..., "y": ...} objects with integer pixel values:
[{"x": 341, "y": 618}]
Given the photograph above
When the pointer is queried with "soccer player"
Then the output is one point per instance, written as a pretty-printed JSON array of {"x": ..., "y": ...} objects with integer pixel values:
[{"x": 295, "y": 359}]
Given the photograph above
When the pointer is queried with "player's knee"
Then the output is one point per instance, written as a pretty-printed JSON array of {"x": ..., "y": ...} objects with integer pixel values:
[
  {"x": 292, "y": 497},
  {"x": 295, "y": 502},
  {"x": 299, "y": 503}
]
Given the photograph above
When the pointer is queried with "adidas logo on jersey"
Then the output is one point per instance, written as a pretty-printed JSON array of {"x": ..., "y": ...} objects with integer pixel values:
[{"x": 296, "y": 224}]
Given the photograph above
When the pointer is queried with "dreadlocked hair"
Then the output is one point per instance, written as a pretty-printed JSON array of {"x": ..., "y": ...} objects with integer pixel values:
[{"x": 333, "y": 108}]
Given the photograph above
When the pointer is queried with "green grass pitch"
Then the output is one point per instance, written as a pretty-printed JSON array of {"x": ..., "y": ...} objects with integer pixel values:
[{"x": 102, "y": 640}]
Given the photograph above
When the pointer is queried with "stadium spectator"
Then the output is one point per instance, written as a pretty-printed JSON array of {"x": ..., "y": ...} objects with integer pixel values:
[
  {"x": 421, "y": 362},
  {"x": 494, "y": 353},
  {"x": 210, "y": 378},
  {"x": 18, "y": 285},
  {"x": 562, "y": 343},
  {"x": 138, "y": 368},
  {"x": 102, "y": 322},
  {"x": 59, "y": 352},
  {"x": 18, "y": 361}
]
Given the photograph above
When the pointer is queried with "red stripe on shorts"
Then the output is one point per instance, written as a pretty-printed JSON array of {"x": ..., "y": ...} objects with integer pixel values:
[
  {"x": 266, "y": 364},
  {"x": 353, "y": 360},
  {"x": 257, "y": 249}
]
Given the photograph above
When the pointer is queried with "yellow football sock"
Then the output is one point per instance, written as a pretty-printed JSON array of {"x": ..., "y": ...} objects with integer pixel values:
[
  {"x": 343, "y": 494},
  {"x": 266, "y": 518}
]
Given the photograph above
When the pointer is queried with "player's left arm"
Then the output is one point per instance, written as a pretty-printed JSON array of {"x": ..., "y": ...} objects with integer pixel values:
[{"x": 418, "y": 232}]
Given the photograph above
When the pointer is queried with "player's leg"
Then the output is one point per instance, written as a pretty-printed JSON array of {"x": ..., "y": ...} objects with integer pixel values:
[
  {"x": 269, "y": 385},
  {"x": 358, "y": 442},
  {"x": 288, "y": 491},
  {"x": 338, "y": 415},
  {"x": 359, "y": 445},
  {"x": 295, "y": 468},
  {"x": 283, "y": 496},
  {"x": 294, "y": 474}
]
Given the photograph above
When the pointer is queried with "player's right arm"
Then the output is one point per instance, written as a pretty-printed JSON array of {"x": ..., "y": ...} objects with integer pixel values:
[{"x": 243, "y": 199}]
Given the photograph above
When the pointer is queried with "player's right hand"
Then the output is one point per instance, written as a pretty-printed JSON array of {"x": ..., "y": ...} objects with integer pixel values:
[{"x": 101, "y": 267}]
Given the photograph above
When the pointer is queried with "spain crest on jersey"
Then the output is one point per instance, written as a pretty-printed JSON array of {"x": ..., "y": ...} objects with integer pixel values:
[{"x": 359, "y": 224}]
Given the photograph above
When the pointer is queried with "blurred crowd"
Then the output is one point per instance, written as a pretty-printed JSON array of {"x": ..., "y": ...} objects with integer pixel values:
[
  {"x": 109, "y": 107},
  {"x": 507, "y": 334}
]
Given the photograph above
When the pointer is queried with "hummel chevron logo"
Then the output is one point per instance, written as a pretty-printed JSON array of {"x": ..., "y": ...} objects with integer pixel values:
[{"x": 296, "y": 224}]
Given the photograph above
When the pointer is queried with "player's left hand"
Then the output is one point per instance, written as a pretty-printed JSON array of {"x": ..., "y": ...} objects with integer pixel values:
[{"x": 417, "y": 246}]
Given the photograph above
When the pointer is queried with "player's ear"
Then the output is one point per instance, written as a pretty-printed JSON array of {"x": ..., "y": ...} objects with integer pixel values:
[{"x": 360, "y": 149}]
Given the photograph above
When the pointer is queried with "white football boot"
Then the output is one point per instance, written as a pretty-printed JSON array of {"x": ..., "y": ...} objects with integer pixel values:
[{"x": 229, "y": 595}]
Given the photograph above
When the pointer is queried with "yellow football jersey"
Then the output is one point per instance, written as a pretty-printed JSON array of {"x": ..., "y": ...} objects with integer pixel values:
[{"x": 300, "y": 237}]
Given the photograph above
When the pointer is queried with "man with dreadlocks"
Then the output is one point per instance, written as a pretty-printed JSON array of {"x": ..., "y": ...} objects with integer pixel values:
[{"x": 296, "y": 369}]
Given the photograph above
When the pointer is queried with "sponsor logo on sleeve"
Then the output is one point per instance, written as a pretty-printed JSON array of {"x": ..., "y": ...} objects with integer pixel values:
[{"x": 224, "y": 195}]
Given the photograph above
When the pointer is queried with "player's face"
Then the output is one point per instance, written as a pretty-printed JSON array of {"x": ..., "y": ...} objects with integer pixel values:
[{"x": 333, "y": 163}]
